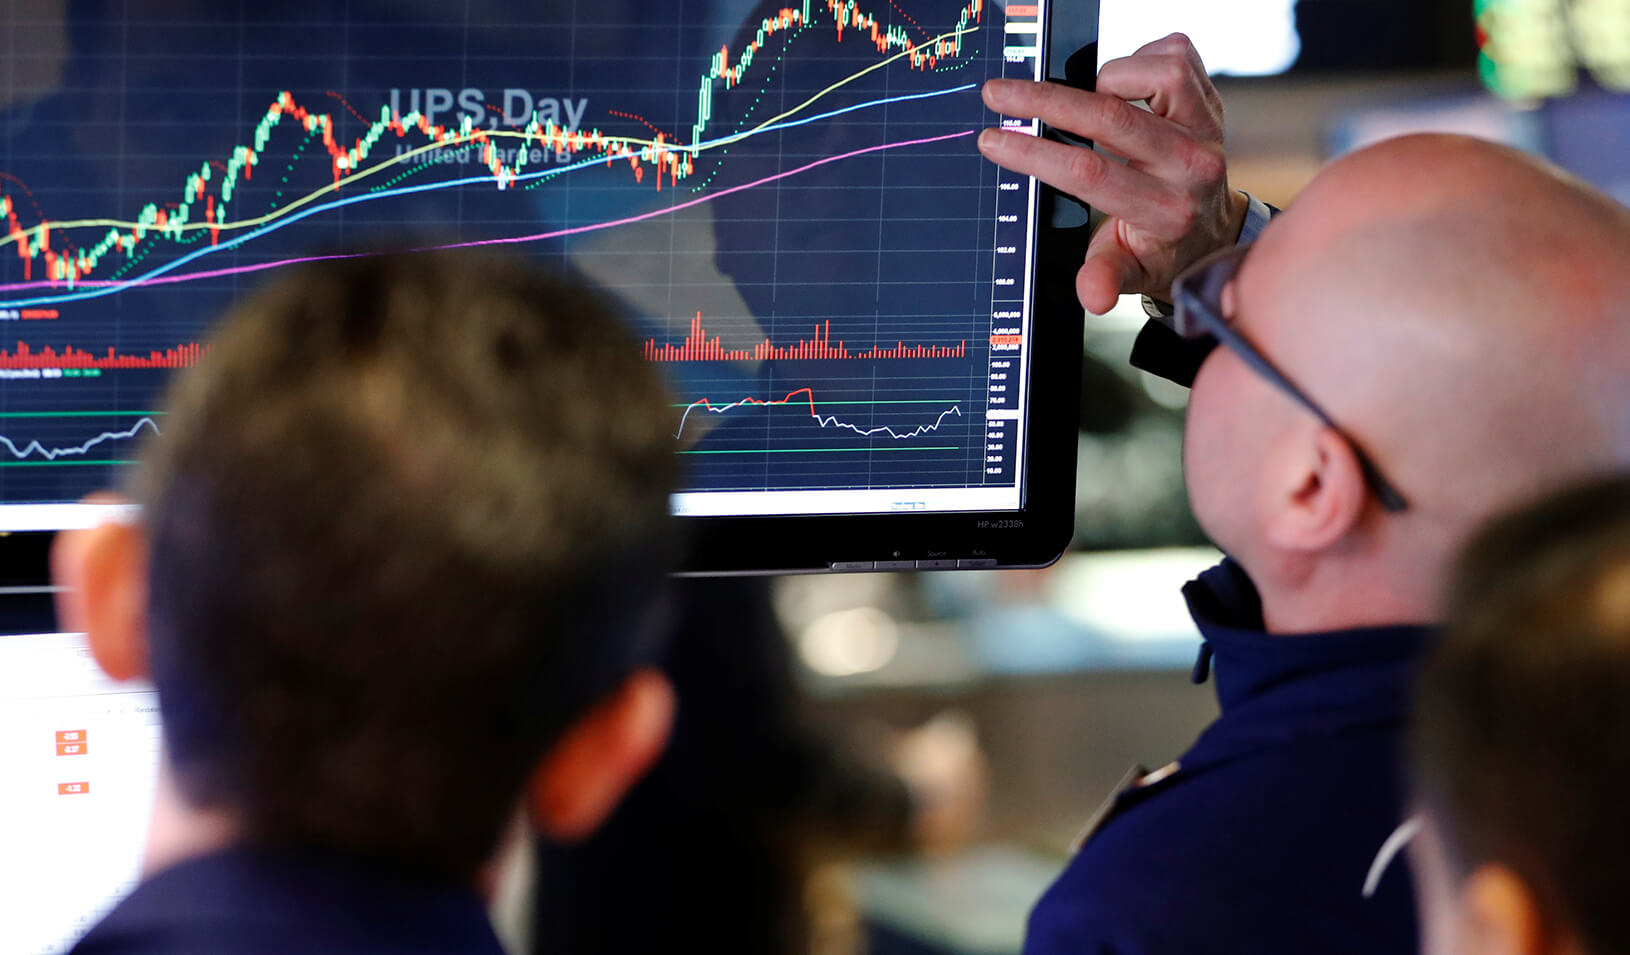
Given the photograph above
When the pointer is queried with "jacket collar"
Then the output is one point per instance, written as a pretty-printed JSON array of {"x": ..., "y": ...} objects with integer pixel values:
[
  {"x": 241, "y": 894},
  {"x": 1277, "y": 688}
]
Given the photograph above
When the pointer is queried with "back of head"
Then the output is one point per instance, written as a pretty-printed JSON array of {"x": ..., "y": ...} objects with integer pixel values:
[
  {"x": 1522, "y": 727},
  {"x": 1477, "y": 300},
  {"x": 405, "y": 522}
]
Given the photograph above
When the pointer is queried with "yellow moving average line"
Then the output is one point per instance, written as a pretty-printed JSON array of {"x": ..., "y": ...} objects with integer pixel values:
[{"x": 455, "y": 142}]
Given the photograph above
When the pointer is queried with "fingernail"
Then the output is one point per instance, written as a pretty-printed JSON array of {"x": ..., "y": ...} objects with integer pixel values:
[
  {"x": 990, "y": 139},
  {"x": 994, "y": 90}
]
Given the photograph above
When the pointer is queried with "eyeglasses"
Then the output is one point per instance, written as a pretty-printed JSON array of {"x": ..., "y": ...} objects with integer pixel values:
[{"x": 1198, "y": 296}]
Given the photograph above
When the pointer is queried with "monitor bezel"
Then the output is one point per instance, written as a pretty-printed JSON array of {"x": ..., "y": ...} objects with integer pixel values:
[{"x": 1034, "y": 535}]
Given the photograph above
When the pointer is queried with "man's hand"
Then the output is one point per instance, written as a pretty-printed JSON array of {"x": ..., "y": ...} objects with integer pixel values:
[{"x": 1169, "y": 204}]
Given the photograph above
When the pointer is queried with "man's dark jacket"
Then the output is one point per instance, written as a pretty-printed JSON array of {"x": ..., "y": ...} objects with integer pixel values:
[
  {"x": 1261, "y": 841},
  {"x": 249, "y": 902}
]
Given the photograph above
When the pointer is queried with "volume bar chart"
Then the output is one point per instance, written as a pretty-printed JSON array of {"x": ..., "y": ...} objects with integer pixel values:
[
  {"x": 698, "y": 347},
  {"x": 181, "y": 356}
]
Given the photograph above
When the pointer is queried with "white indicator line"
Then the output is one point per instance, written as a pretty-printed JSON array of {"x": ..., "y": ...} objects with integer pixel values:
[{"x": 51, "y": 454}]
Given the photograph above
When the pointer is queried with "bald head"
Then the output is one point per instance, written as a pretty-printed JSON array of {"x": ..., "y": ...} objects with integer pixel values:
[{"x": 1463, "y": 310}]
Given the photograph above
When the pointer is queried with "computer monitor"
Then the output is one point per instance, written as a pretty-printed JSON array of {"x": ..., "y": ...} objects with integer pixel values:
[
  {"x": 784, "y": 198},
  {"x": 80, "y": 758}
]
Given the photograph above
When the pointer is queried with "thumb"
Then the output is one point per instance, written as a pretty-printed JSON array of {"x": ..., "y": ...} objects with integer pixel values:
[{"x": 1108, "y": 272}]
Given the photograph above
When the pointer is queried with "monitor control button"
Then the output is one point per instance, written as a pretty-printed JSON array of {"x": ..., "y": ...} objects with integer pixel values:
[
  {"x": 851, "y": 566},
  {"x": 896, "y": 565},
  {"x": 976, "y": 563},
  {"x": 936, "y": 565}
]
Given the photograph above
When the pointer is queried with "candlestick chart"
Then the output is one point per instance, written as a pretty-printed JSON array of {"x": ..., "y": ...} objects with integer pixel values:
[{"x": 783, "y": 199}]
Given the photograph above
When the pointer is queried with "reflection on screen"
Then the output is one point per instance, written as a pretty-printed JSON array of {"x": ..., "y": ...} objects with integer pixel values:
[
  {"x": 80, "y": 756},
  {"x": 784, "y": 198}
]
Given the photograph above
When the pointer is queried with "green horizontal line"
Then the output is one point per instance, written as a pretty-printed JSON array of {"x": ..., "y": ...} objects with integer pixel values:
[
  {"x": 903, "y": 401},
  {"x": 78, "y": 414},
  {"x": 820, "y": 451},
  {"x": 56, "y": 464}
]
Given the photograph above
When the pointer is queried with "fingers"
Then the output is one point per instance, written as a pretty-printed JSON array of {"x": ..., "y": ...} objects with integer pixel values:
[
  {"x": 1109, "y": 120},
  {"x": 1172, "y": 86},
  {"x": 1169, "y": 201},
  {"x": 1108, "y": 272},
  {"x": 1096, "y": 180},
  {"x": 1178, "y": 44}
]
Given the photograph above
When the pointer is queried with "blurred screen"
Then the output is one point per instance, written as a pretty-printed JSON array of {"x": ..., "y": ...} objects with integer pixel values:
[{"x": 80, "y": 756}]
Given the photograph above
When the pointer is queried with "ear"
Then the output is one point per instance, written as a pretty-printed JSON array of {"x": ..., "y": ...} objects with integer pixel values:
[
  {"x": 1320, "y": 493},
  {"x": 1502, "y": 916},
  {"x": 601, "y": 756},
  {"x": 102, "y": 576}
]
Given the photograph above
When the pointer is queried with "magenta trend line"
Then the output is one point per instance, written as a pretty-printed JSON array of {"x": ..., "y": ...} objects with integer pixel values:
[{"x": 510, "y": 240}]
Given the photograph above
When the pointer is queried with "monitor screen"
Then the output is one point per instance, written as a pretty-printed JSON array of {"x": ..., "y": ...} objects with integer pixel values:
[
  {"x": 80, "y": 756},
  {"x": 783, "y": 198}
]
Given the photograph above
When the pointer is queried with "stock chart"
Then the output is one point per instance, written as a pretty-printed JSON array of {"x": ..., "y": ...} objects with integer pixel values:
[{"x": 785, "y": 202}]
